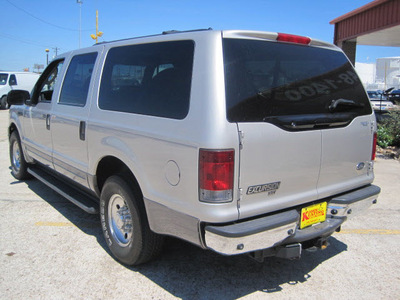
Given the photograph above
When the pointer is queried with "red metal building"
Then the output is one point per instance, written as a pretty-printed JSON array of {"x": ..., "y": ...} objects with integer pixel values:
[{"x": 376, "y": 23}]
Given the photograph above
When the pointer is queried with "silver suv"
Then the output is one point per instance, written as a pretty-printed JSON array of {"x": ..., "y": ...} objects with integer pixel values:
[{"x": 236, "y": 141}]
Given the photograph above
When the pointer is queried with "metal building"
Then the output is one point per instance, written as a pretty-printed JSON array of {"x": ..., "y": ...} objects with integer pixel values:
[{"x": 376, "y": 23}]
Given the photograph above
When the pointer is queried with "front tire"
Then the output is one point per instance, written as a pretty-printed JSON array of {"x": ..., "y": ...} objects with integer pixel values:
[
  {"x": 3, "y": 102},
  {"x": 19, "y": 167},
  {"x": 125, "y": 225}
]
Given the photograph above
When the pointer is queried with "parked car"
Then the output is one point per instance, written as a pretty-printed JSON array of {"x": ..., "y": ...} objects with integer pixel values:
[
  {"x": 394, "y": 96},
  {"x": 14, "y": 81},
  {"x": 236, "y": 141},
  {"x": 379, "y": 101}
]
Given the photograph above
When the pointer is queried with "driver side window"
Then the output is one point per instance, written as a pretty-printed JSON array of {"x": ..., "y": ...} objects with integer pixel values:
[{"x": 45, "y": 86}]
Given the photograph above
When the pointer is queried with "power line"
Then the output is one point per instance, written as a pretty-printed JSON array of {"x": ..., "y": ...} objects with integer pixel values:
[
  {"x": 8, "y": 36},
  {"x": 41, "y": 20}
]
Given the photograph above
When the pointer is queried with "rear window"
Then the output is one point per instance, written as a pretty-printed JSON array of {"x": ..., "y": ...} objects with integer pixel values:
[
  {"x": 148, "y": 79},
  {"x": 289, "y": 85}
]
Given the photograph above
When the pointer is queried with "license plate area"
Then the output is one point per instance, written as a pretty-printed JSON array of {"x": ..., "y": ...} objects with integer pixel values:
[{"x": 313, "y": 214}]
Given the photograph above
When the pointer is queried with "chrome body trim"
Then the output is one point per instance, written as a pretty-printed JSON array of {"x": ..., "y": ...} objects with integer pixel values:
[{"x": 350, "y": 210}]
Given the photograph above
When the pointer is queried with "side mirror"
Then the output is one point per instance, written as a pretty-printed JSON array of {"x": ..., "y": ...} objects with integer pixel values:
[{"x": 17, "y": 97}]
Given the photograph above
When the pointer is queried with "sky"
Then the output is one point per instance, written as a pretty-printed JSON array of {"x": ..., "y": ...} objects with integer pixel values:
[{"x": 29, "y": 27}]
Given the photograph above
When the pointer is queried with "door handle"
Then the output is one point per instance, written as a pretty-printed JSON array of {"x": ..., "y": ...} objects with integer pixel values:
[
  {"x": 82, "y": 130},
  {"x": 48, "y": 121}
]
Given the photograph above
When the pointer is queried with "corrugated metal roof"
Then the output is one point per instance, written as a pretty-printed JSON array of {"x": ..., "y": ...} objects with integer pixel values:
[{"x": 374, "y": 16}]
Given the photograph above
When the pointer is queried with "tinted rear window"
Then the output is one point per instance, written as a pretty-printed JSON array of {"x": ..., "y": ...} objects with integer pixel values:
[{"x": 269, "y": 81}]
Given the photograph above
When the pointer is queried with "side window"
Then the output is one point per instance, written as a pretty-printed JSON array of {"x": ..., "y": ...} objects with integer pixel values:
[
  {"x": 148, "y": 79},
  {"x": 76, "y": 83},
  {"x": 43, "y": 91},
  {"x": 3, "y": 78},
  {"x": 13, "y": 80}
]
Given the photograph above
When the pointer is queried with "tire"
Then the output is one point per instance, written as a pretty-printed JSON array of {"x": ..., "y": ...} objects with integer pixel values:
[
  {"x": 19, "y": 167},
  {"x": 3, "y": 102},
  {"x": 125, "y": 225}
]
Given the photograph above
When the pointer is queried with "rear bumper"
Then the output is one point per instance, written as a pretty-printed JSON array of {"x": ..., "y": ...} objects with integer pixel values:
[{"x": 283, "y": 228}]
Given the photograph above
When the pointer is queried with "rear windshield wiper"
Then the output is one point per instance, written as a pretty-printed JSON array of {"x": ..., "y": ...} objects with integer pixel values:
[{"x": 343, "y": 102}]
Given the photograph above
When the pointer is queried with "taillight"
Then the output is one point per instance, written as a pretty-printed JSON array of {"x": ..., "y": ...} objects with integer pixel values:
[
  {"x": 290, "y": 38},
  {"x": 216, "y": 168},
  {"x": 374, "y": 146}
]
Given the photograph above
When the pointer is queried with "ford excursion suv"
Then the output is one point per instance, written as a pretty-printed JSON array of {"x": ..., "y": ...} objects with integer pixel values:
[{"x": 236, "y": 141}]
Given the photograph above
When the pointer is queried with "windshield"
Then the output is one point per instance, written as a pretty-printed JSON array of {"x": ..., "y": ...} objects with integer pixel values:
[
  {"x": 3, "y": 78},
  {"x": 264, "y": 80},
  {"x": 376, "y": 96}
]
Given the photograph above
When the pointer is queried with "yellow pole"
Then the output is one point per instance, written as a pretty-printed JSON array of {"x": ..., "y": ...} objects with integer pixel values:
[
  {"x": 97, "y": 24},
  {"x": 98, "y": 33}
]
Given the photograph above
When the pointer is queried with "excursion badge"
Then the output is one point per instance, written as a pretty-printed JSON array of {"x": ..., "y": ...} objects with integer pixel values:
[{"x": 271, "y": 188}]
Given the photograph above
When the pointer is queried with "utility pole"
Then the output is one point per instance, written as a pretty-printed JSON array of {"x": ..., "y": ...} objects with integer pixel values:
[
  {"x": 56, "y": 50},
  {"x": 98, "y": 33},
  {"x": 80, "y": 20}
]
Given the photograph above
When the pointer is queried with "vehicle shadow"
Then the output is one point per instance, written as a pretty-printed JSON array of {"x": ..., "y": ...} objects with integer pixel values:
[{"x": 188, "y": 272}]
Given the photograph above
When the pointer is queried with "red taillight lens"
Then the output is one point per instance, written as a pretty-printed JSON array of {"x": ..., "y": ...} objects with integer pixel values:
[
  {"x": 216, "y": 168},
  {"x": 290, "y": 38},
  {"x": 374, "y": 146}
]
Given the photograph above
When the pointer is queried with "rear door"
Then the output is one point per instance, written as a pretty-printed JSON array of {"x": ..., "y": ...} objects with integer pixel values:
[
  {"x": 69, "y": 118},
  {"x": 346, "y": 157},
  {"x": 292, "y": 104}
]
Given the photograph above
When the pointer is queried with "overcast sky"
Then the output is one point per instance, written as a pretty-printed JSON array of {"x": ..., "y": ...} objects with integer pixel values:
[{"x": 28, "y": 27}]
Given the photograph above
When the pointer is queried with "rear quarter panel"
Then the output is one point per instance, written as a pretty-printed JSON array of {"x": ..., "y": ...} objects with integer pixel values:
[{"x": 163, "y": 153}]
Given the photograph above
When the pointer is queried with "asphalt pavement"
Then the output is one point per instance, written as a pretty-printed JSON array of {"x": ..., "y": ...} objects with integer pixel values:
[{"x": 50, "y": 249}]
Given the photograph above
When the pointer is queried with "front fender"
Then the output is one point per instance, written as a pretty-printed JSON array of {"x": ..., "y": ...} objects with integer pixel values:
[{"x": 16, "y": 115}]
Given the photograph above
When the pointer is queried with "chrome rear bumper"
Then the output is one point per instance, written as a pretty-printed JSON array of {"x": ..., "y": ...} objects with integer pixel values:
[{"x": 283, "y": 228}]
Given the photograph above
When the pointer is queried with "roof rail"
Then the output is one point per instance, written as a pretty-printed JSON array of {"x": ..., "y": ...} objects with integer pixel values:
[
  {"x": 164, "y": 32},
  {"x": 180, "y": 31}
]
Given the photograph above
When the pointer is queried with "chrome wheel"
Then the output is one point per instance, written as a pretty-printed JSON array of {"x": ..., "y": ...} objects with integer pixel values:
[
  {"x": 120, "y": 220},
  {"x": 16, "y": 156}
]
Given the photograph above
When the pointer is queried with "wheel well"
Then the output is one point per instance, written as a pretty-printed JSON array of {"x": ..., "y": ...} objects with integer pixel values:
[
  {"x": 109, "y": 166},
  {"x": 11, "y": 129}
]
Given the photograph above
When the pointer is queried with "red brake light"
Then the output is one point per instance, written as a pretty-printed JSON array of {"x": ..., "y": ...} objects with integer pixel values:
[
  {"x": 374, "y": 146},
  {"x": 216, "y": 169},
  {"x": 290, "y": 38}
]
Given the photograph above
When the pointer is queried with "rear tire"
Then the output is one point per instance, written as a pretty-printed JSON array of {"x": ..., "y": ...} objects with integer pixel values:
[
  {"x": 19, "y": 167},
  {"x": 125, "y": 225}
]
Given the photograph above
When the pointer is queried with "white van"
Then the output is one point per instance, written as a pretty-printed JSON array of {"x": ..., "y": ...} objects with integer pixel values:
[{"x": 15, "y": 81}]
